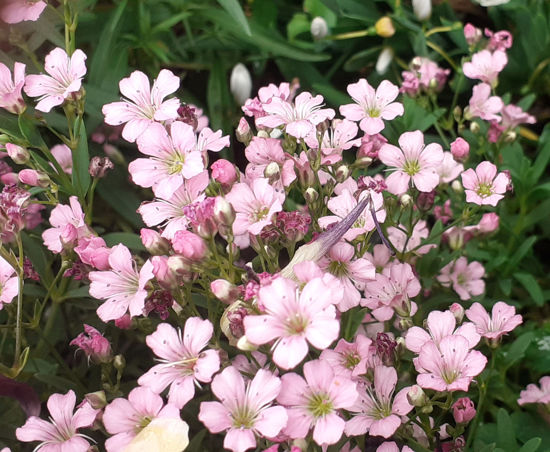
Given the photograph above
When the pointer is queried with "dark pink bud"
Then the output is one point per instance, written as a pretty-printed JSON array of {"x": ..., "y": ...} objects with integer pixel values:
[
  {"x": 189, "y": 245},
  {"x": 124, "y": 322},
  {"x": 425, "y": 201},
  {"x": 460, "y": 149},
  {"x": 99, "y": 166},
  {"x": 159, "y": 302},
  {"x": 94, "y": 345},
  {"x": 464, "y": 410},
  {"x": 34, "y": 178},
  {"x": 224, "y": 172}
]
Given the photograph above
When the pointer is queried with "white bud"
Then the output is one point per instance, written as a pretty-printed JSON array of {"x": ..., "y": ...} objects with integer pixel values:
[
  {"x": 422, "y": 9},
  {"x": 240, "y": 83},
  {"x": 319, "y": 28},
  {"x": 405, "y": 199},
  {"x": 384, "y": 60},
  {"x": 262, "y": 134},
  {"x": 457, "y": 186}
]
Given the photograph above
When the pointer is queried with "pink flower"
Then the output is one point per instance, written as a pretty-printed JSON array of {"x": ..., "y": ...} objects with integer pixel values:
[
  {"x": 245, "y": 410},
  {"x": 10, "y": 90},
  {"x": 224, "y": 172},
  {"x": 472, "y": 34},
  {"x": 390, "y": 446},
  {"x": 412, "y": 162},
  {"x": 352, "y": 274},
  {"x": 254, "y": 206},
  {"x": 391, "y": 291},
  {"x": 376, "y": 410},
  {"x": 483, "y": 105},
  {"x": 94, "y": 345},
  {"x": 349, "y": 358},
  {"x": 173, "y": 158},
  {"x": 295, "y": 318},
  {"x": 338, "y": 138},
  {"x": 62, "y": 153},
  {"x": 464, "y": 410},
  {"x": 15, "y": 11},
  {"x": 425, "y": 76},
  {"x": 300, "y": 118},
  {"x": 183, "y": 361},
  {"x": 513, "y": 116},
  {"x": 406, "y": 244},
  {"x": 68, "y": 226},
  {"x": 61, "y": 434},
  {"x": 123, "y": 287},
  {"x": 264, "y": 152},
  {"x": 254, "y": 107},
  {"x": 315, "y": 401},
  {"x": 440, "y": 325},
  {"x": 501, "y": 40},
  {"x": 449, "y": 169},
  {"x": 64, "y": 79},
  {"x": 486, "y": 66},
  {"x": 371, "y": 106},
  {"x": 9, "y": 283},
  {"x": 466, "y": 279},
  {"x": 534, "y": 394},
  {"x": 94, "y": 252},
  {"x": 125, "y": 418},
  {"x": 145, "y": 105},
  {"x": 503, "y": 319},
  {"x": 451, "y": 366},
  {"x": 483, "y": 186},
  {"x": 460, "y": 149}
]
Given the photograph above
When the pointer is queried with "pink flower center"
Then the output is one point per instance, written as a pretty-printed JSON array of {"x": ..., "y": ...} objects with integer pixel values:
[
  {"x": 338, "y": 268},
  {"x": 320, "y": 404},
  {"x": 296, "y": 324},
  {"x": 484, "y": 189},
  {"x": 411, "y": 167}
]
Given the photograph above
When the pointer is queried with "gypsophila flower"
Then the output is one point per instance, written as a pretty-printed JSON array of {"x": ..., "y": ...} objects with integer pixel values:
[
  {"x": 483, "y": 186},
  {"x": 503, "y": 319}
]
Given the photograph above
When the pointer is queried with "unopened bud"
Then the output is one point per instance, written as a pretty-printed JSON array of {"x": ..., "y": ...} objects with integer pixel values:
[
  {"x": 224, "y": 291},
  {"x": 319, "y": 28},
  {"x": 311, "y": 195},
  {"x": 384, "y": 59},
  {"x": 510, "y": 136},
  {"x": 416, "y": 396},
  {"x": 474, "y": 127},
  {"x": 384, "y": 27},
  {"x": 224, "y": 172},
  {"x": 97, "y": 400},
  {"x": 342, "y": 173},
  {"x": 460, "y": 149},
  {"x": 457, "y": 113},
  {"x": 17, "y": 153},
  {"x": 119, "y": 363},
  {"x": 243, "y": 132},
  {"x": 34, "y": 178},
  {"x": 179, "y": 265},
  {"x": 99, "y": 166},
  {"x": 262, "y": 134},
  {"x": 224, "y": 213},
  {"x": 154, "y": 242},
  {"x": 405, "y": 199},
  {"x": 422, "y": 9},
  {"x": 272, "y": 172},
  {"x": 363, "y": 162},
  {"x": 245, "y": 345},
  {"x": 425, "y": 201},
  {"x": 457, "y": 186},
  {"x": 240, "y": 83},
  {"x": 458, "y": 312}
]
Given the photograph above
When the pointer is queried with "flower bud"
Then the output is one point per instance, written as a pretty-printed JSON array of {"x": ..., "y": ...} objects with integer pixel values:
[
  {"x": 154, "y": 242},
  {"x": 464, "y": 410},
  {"x": 510, "y": 136},
  {"x": 422, "y": 9},
  {"x": 224, "y": 291},
  {"x": 124, "y": 322},
  {"x": 456, "y": 185},
  {"x": 119, "y": 363},
  {"x": 163, "y": 273},
  {"x": 457, "y": 113},
  {"x": 240, "y": 83},
  {"x": 425, "y": 201},
  {"x": 94, "y": 345},
  {"x": 342, "y": 173},
  {"x": 458, "y": 311},
  {"x": 34, "y": 178},
  {"x": 311, "y": 195},
  {"x": 416, "y": 396},
  {"x": 9, "y": 178},
  {"x": 224, "y": 172},
  {"x": 224, "y": 213},
  {"x": 245, "y": 345},
  {"x": 97, "y": 400},
  {"x": 243, "y": 132},
  {"x": 319, "y": 28},
  {"x": 472, "y": 34},
  {"x": 384, "y": 59},
  {"x": 262, "y": 134},
  {"x": 474, "y": 127},
  {"x": 489, "y": 222},
  {"x": 17, "y": 153},
  {"x": 363, "y": 162},
  {"x": 189, "y": 245},
  {"x": 272, "y": 172},
  {"x": 180, "y": 267},
  {"x": 460, "y": 149},
  {"x": 384, "y": 27},
  {"x": 99, "y": 166},
  {"x": 405, "y": 199}
]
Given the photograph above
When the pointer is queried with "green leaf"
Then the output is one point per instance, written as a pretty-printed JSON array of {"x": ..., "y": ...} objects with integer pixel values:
[
  {"x": 217, "y": 90},
  {"x": 520, "y": 253},
  {"x": 59, "y": 383},
  {"x": 543, "y": 156},
  {"x": 195, "y": 445},
  {"x": 298, "y": 24},
  {"x": 234, "y": 9},
  {"x": 29, "y": 130},
  {"x": 79, "y": 292},
  {"x": 8, "y": 124},
  {"x": 506, "y": 434},
  {"x": 517, "y": 349},
  {"x": 35, "y": 252},
  {"x": 129, "y": 239},
  {"x": 352, "y": 319},
  {"x": 528, "y": 281},
  {"x": 81, "y": 160},
  {"x": 531, "y": 446}
]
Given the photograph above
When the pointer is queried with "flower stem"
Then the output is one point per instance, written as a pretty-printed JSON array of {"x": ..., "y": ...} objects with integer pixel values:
[{"x": 19, "y": 315}]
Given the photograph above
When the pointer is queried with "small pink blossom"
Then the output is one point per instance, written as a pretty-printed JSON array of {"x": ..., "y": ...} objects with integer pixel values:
[
  {"x": 93, "y": 344},
  {"x": 377, "y": 410},
  {"x": 315, "y": 401},
  {"x": 254, "y": 107},
  {"x": 255, "y": 206},
  {"x": 299, "y": 118},
  {"x": 64, "y": 156},
  {"x": 264, "y": 152},
  {"x": 184, "y": 362},
  {"x": 451, "y": 366},
  {"x": 295, "y": 318},
  {"x": 472, "y": 34},
  {"x": 425, "y": 76},
  {"x": 93, "y": 251},
  {"x": 15, "y": 11},
  {"x": 513, "y": 116},
  {"x": 123, "y": 287},
  {"x": 486, "y": 66},
  {"x": 460, "y": 149},
  {"x": 463, "y": 410},
  {"x": 483, "y": 105},
  {"x": 503, "y": 319},
  {"x": 349, "y": 358},
  {"x": 465, "y": 278},
  {"x": 501, "y": 40},
  {"x": 223, "y": 171},
  {"x": 64, "y": 79},
  {"x": 245, "y": 410},
  {"x": 61, "y": 434},
  {"x": 173, "y": 158},
  {"x": 483, "y": 186},
  {"x": 449, "y": 169},
  {"x": 413, "y": 162},
  {"x": 145, "y": 105},
  {"x": 125, "y": 418},
  {"x": 534, "y": 394},
  {"x": 9, "y": 283},
  {"x": 372, "y": 107},
  {"x": 10, "y": 89}
]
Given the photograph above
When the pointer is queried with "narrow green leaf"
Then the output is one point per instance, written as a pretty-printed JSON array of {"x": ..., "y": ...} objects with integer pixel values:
[
  {"x": 517, "y": 349},
  {"x": 543, "y": 156},
  {"x": 234, "y": 9},
  {"x": 29, "y": 130},
  {"x": 128, "y": 239},
  {"x": 81, "y": 160},
  {"x": 35, "y": 252},
  {"x": 528, "y": 281},
  {"x": 531, "y": 446},
  {"x": 8, "y": 124},
  {"x": 217, "y": 84},
  {"x": 506, "y": 434},
  {"x": 520, "y": 254}
]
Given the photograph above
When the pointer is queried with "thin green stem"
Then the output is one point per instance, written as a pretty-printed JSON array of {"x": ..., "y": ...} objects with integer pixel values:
[{"x": 19, "y": 314}]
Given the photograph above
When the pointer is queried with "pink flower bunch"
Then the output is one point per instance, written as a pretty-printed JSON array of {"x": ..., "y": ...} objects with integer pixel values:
[
  {"x": 465, "y": 278},
  {"x": 425, "y": 76}
]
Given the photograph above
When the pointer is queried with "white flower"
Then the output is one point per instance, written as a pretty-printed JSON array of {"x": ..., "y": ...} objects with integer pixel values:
[{"x": 240, "y": 83}]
